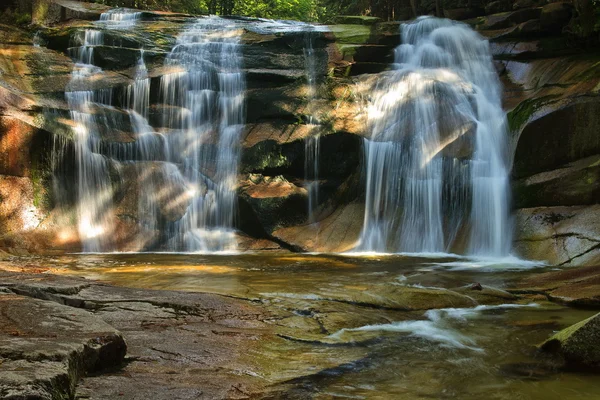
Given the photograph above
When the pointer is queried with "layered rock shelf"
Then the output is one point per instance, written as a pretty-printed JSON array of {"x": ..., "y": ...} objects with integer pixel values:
[{"x": 550, "y": 94}]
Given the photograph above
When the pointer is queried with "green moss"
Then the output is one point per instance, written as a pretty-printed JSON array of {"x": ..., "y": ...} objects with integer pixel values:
[
  {"x": 521, "y": 114},
  {"x": 351, "y": 34}
]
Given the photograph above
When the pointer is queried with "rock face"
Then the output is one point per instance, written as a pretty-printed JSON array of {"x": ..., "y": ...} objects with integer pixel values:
[
  {"x": 551, "y": 90},
  {"x": 559, "y": 235},
  {"x": 578, "y": 344},
  {"x": 551, "y": 98}
]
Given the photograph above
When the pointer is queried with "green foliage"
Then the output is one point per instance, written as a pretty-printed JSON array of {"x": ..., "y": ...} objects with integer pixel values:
[
  {"x": 17, "y": 18},
  {"x": 302, "y": 10}
]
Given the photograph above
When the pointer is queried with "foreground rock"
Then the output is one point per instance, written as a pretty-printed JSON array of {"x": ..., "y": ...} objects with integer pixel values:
[
  {"x": 576, "y": 287},
  {"x": 181, "y": 345},
  {"x": 45, "y": 347},
  {"x": 578, "y": 344}
]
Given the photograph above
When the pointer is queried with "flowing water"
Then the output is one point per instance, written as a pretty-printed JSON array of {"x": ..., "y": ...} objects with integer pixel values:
[
  {"x": 185, "y": 173},
  {"x": 335, "y": 337},
  {"x": 436, "y": 159},
  {"x": 311, "y": 143},
  {"x": 207, "y": 104}
]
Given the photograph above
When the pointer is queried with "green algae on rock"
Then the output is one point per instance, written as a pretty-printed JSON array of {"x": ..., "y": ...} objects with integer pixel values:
[{"x": 578, "y": 344}]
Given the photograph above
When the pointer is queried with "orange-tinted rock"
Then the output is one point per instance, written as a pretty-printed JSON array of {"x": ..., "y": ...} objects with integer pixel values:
[{"x": 337, "y": 233}]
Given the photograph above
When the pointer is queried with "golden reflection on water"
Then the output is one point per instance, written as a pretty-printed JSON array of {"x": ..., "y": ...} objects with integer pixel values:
[{"x": 314, "y": 297}]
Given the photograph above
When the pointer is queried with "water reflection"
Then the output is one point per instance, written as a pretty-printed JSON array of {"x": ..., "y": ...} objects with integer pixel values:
[{"x": 344, "y": 328}]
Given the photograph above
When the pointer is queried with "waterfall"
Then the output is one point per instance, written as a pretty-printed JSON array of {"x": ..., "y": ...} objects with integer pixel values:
[
  {"x": 206, "y": 100},
  {"x": 311, "y": 143},
  {"x": 176, "y": 185},
  {"x": 436, "y": 159},
  {"x": 93, "y": 182}
]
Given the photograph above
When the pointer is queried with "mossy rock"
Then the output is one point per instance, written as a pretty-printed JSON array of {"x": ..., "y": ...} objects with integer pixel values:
[
  {"x": 564, "y": 134},
  {"x": 355, "y": 20},
  {"x": 352, "y": 34},
  {"x": 578, "y": 344}
]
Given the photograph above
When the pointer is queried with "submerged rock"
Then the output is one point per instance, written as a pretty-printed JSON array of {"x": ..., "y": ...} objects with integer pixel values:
[{"x": 578, "y": 344}]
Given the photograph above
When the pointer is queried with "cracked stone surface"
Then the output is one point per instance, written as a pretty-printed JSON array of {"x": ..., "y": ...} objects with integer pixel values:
[
  {"x": 577, "y": 287},
  {"x": 566, "y": 236},
  {"x": 180, "y": 345},
  {"x": 45, "y": 347}
]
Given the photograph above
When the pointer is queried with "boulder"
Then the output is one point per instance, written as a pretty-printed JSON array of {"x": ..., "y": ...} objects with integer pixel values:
[
  {"x": 48, "y": 12},
  {"x": 555, "y": 16},
  {"x": 508, "y": 19},
  {"x": 563, "y": 134},
  {"x": 339, "y": 232},
  {"x": 577, "y": 183},
  {"x": 559, "y": 235},
  {"x": 275, "y": 201},
  {"x": 577, "y": 344},
  {"x": 459, "y": 14},
  {"x": 520, "y": 4},
  {"x": 47, "y": 347},
  {"x": 496, "y": 7}
]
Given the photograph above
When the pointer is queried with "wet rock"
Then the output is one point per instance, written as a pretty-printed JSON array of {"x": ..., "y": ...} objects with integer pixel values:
[
  {"x": 555, "y": 16},
  {"x": 119, "y": 58},
  {"x": 161, "y": 184},
  {"x": 47, "y": 347},
  {"x": 559, "y": 235},
  {"x": 547, "y": 136},
  {"x": 498, "y": 6},
  {"x": 508, "y": 19},
  {"x": 47, "y": 12},
  {"x": 183, "y": 344},
  {"x": 19, "y": 210},
  {"x": 577, "y": 344},
  {"x": 338, "y": 232},
  {"x": 459, "y": 14},
  {"x": 576, "y": 287},
  {"x": 407, "y": 298},
  {"x": 276, "y": 201},
  {"x": 577, "y": 183},
  {"x": 355, "y": 20},
  {"x": 484, "y": 294},
  {"x": 519, "y": 4}
]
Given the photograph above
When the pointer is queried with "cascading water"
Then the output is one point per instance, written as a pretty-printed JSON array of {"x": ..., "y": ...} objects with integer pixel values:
[
  {"x": 207, "y": 104},
  {"x": 311, "y": 143},
  {"x": 436, "y": 159},
  {"x": 93, "y": 182}
]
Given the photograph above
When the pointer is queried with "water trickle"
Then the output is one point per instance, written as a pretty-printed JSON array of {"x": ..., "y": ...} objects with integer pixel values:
[
  {"x": 206, "y": 100},
  {"x": 436, "y": 159},
  {"x": 122, "y": 18},
  {"x": 311, "y": 143}
]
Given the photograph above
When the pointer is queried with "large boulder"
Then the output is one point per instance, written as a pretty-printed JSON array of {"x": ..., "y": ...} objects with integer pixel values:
[
  {"x": 555, "y": 16},
  {"x": 577, "y": 183},
  {"x": 578, "y": 344},
  {"x": 339, "y": 232},
  {"x": 275, "y": 201},
  {"x": 564, "y": 133},
  {"x": 559, "y": 235}
]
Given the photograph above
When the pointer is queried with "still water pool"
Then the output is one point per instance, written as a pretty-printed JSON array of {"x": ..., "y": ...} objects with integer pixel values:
[{"x": 374, "y": 326}]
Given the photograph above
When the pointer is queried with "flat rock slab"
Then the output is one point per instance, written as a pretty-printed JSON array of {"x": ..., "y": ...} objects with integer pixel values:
[
  {"x": 576, "y": 287},
  {"x": 180, "y": 345},
  {"x": 45, "y": 347}
]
